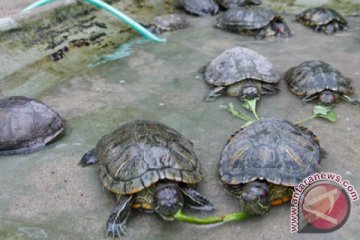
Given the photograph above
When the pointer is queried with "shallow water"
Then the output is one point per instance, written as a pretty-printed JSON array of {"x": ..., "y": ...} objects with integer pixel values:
[{"x": 46, "y": 195}]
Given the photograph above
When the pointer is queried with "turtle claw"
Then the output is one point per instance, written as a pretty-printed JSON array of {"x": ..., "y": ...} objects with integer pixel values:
[{"x": 115, "y": 229}]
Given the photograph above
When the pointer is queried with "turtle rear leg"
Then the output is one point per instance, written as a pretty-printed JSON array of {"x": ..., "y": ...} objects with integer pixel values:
[
  {"x": 115, "y": 225},
  {"x": 196, "y": 200},
  {"x": 88, "y": 159},
  {"x": 214, "y": 93},
  {"x": 280, "y": 194}
]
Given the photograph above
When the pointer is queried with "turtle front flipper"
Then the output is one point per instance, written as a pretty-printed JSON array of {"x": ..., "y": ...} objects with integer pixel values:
[
  {"x": 309, "y": 98},
  {"x": 269, "y": 89},
  {"x": 88, "y": 158},
  {"x": 280, "y": 194},
  {"x": 115, "y": 225},
  {"x": 351, "y": 100},
  {"x": 195, "y": 200},
  {"x": 214, "y": 93},
  {"x": 330, "y": 28}
]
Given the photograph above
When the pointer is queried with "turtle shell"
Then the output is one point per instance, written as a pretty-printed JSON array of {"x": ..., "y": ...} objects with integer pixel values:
[
  {"x": 312, "y": 77},
  {"x": 238, "y": 64},
  {"x": 320, "y": 16},
  {"x": 141, "y": 153},
  {"x": 273, "y": 150},
  {"x": 246, "y": 18},
  {"x": 27, "y": 125},
  {"x": 237, "y": 3},
  {"x": 199, "y": 7},
  {"x": 169, "y": 22}
]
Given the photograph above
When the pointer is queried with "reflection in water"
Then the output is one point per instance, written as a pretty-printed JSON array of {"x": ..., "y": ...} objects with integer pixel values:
[{"x": 122, "y": 51}]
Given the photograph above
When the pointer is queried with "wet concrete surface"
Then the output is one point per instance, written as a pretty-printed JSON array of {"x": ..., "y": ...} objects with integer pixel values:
[{"x": 46, "y": 195}]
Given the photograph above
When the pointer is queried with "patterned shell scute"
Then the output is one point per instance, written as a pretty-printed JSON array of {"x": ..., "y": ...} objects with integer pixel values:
[
  {"x": 320, "y": 16},
  {"x": 311, "y": 77},
  {"x": 141, "y": 153},
  {"x": 273, "y": 150},
  {"x": 238, "y": 3},
  {"x": 246, "y": 17},
  {"x": 169, "y": 22},
  {"x": 27, "y": 125},
  {"x": 237, "y": 64},
  {"x": 199, "y": 7}
]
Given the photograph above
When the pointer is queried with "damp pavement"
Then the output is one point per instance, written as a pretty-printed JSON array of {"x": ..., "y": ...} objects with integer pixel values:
[{"x": 46, "y": 195}]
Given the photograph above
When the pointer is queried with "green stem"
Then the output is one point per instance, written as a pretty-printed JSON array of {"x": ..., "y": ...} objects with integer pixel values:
[
  {"x": 208, "y": 220},
  {"x": 237, "y": 114},
  {"x": 305, "y": 119},
  {"x": 252, "y": 106},
  {"x": 239, "y": 216},
  {"x": 255, "y": 114}
]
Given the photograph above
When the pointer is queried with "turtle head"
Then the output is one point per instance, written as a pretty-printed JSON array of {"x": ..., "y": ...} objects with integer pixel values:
[
  {"x": 255, "y": 197},
  {"x": 168, "y": 200},
  {"x": 280, "y": 27},
  {"x": 244, "y": 90},
  {"x": 327, "y": 97},
  {"x": 249, "y": 92}
]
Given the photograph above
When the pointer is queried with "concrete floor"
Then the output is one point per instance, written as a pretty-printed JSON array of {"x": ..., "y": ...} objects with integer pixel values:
[{"x": 46, "y": 195}]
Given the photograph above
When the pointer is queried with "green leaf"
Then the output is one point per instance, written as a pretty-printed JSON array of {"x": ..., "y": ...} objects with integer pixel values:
[
  {"x": 236, "y": 113},
  {"x": 325, "y": 112},
  {"x": 321, "y": 110},
  {"x": 251, "y": 106},
  {"x": 331, "y": 116}
]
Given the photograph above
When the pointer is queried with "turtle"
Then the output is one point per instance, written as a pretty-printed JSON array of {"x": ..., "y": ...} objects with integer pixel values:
[
  {"x": 322, "y": 19},
  {"x": 263, "y": 162},
  {"x": 166, "y": 23},
  {"x": 242, "y": 73},
  {"x": 27, "y": 125},
  {"x": 226, "y": 4},
  {"x": 261, "y": 22},
  {"x": 317, "y": 80},
  {"x": 198, "y": 7},
  {"x": 148, "y": 166}
]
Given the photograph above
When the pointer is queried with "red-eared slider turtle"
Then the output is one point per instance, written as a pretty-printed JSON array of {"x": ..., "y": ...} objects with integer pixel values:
[
  {"x": 198, "y": 7},
  {"x": 242, "y": 73},
  {"x": 322, "y": 19},
  {"x": 260, "y": 164},
  {"x": 27, "y": 125},
  {"x": 261, "y": 22},
  {"x": 167, "y": 23},
  {"x": 317, "y": 80},
  {"x": 237, "y": 3},
  {"x": 150, "y": 166}
]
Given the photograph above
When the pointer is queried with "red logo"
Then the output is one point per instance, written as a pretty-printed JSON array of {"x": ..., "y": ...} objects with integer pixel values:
[{"x": 325, "y": 207}]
